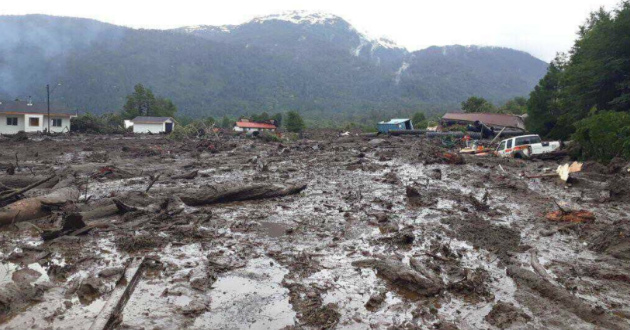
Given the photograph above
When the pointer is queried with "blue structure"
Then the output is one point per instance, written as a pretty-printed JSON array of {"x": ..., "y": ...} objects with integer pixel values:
[{"x": 395, "y": 124}]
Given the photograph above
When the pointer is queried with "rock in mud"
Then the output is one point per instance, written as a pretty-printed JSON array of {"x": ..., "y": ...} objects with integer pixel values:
[
  {"x": 472, "y": 283},
  {"x": 375, "y": 301},
  {"x": 309, "y": 306},
  {"x": 420, "y": 199},
  {"x": 111, "y": 271},
  {"x": 195, "y": 308},
  {"x": 402, "y": 237},
  {"x": 14, "y": 297},
  {"x": 89, "y": 289},
  {"x": 401, "y": 276},
  {"x": 25, "y": 276},
  {"x": 140, "y": 242},
  {"x": 391, "y": 178},
  {"x": 503, "y": 315},
  {"x": 436, "y": 174},
  {"x": 614, "y": 240}
]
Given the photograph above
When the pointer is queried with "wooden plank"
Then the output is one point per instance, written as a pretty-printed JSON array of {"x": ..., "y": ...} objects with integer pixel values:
[{"x": 110, "y": 315}]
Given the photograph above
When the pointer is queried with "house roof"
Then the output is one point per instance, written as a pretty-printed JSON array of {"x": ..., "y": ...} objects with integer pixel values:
[
  {"x": 395, "y": 121},
  {"x": 249, "y": 124},
  {"x": 495, "y": 119},
  {"x": 25, "y": 107},
  {"x": 151, "y": 120}
]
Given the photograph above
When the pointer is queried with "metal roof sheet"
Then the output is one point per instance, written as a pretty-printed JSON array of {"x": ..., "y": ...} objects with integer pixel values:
[
  {"x": 26, "y": 107},
  {"x": 157, "y": 120},
  {"x": 395, "y": 121},
  {"x": 488, "y": 119},
  {"x": 249, "y": 124}
]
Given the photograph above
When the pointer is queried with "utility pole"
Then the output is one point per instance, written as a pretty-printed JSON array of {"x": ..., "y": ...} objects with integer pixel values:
[{"x": 48, "y": 104}]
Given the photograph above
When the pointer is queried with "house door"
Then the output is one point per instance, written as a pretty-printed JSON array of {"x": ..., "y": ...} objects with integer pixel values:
[{"x": 168, "y": 127}]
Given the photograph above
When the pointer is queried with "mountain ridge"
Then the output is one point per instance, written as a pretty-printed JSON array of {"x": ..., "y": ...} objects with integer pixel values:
[{"x": 323, "y": 69}]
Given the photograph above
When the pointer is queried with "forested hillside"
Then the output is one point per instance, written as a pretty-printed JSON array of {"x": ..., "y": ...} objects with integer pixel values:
[
  {"x": 316, "y": 64},
  {"x": 585, "y": 94}
]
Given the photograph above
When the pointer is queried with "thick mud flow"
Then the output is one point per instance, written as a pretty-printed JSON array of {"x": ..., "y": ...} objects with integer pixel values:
[{"x": 388, "y": 234}]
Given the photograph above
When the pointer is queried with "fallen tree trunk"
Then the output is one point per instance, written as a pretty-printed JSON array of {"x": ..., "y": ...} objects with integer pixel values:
[
  {"x": 21, "y": 181},
  {"x": 33, "y": 208},
  {"x": 116, "y": 207},
  {"x": 224, "y": 194},
  {"x": 571, "y": 303},
  {"x": 11, "y": 194},
  {"x": 187, "y": 176},
  {"x": 401, "y": 276}
]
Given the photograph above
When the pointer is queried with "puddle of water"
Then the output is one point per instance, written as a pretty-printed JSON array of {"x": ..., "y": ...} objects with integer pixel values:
[
  {"x": 273, "y": 229},
  {"x": 250, "y": 298},
  {"x": 8, "y": 269}
]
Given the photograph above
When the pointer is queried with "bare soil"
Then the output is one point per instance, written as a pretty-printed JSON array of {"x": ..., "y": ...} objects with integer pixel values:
[{"x": 390, "y": 233}]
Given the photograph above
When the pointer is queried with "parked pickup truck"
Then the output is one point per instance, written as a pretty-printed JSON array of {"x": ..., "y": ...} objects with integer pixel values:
[{"x": 525, "y": 146}]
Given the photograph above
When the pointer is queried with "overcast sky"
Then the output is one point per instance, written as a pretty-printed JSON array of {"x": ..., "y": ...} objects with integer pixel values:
[{"x": 540, "y": 27}]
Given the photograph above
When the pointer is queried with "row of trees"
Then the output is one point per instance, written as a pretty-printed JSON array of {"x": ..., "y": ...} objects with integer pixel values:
[
  {"x": 517, "y": 106},
  {"x": 585, "y": 94}
]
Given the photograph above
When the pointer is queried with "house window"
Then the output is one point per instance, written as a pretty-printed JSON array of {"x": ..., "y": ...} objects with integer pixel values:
[
  {"x": 56, "y": 122},
  {"x": 11, "y": 121},
  {"x": 33, "y": 122}
]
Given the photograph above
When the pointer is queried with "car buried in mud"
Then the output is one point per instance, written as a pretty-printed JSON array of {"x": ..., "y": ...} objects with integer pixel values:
[{"x": 525, "y": 146}]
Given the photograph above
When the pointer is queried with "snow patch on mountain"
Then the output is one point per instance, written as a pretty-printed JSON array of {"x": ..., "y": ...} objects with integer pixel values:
[
  {"x": 196, "y": 28},
  {"x": 300, "y": 17},
  {"x": 388, "y": 43},
  {"x": 401, "y": 70}
]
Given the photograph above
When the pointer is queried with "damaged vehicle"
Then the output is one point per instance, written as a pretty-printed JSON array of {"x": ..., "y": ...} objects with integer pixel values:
[{"x": 525, "y": 146}]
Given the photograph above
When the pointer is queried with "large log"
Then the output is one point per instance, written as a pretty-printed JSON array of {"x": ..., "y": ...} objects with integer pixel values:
[
  {"x": 21, "y": 181},
  {"x": 116, "y": 207},
  {"x": 32, "y": 208},
  {"x": 225, "y": 194}
]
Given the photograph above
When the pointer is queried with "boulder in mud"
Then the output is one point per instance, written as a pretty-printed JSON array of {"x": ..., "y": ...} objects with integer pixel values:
[
  {"x": 503, "y": 315},
  {"x": 401, "y": 276}
]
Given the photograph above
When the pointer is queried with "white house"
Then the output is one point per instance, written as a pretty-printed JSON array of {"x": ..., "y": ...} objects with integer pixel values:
[
  {"x": 16, "y": 116},
  {"x": 249, "y": 126},
  {"x": 153, "y": 125}
]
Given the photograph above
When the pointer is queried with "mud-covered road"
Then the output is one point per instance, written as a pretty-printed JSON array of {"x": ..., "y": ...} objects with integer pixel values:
[{"x": 388, "y": 234}]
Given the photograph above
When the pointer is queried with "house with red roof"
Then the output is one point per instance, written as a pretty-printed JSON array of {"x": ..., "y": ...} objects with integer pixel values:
[{"x": 245, "y": 125}]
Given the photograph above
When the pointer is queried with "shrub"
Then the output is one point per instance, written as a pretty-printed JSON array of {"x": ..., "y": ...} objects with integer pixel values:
[
  {"x": 181, "y": 132},
  {"x": 604, "y": 136},
  {"x": 105, "y": 124},
  {"x": 269, "y": 137}
]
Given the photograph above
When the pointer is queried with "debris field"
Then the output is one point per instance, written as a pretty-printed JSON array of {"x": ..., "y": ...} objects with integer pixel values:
[{"x": 326, "y": 232}]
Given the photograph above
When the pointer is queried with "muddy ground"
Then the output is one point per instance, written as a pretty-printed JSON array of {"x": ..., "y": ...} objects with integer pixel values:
[{"x": 388, "y": 234}]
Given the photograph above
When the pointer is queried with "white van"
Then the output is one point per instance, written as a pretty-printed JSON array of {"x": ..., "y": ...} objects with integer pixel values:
[{"x": 525, "y": 146}]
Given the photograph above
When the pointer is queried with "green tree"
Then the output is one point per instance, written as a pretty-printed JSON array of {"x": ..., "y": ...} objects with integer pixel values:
[
  {"x": 278, "y": 119},
  {"x": 142, "y": 102},
  {"x": 543, "y": 106},
  {"x": 477, "y": 104},
  {"x": 226, "y": 122},
  {"x": 294, "y": 123},
  {"x": 419, "y": 120},
  {"x": 593, "y": 78},
  {"x": 604, "y": 136},
  {"x": 209, "y": 121},
  {"x": 516, "y": 106},
  {"x": 261, "y": 117}
]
